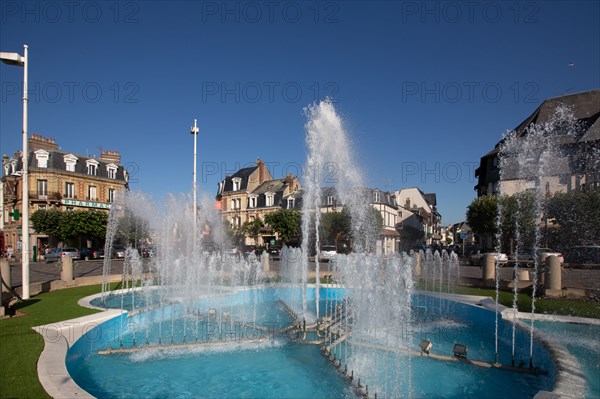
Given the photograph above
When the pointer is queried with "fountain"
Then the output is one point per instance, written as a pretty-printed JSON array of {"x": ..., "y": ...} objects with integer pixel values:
[
  {"x": 526, "y": 163},
  {"x": 197, "y": 321}
]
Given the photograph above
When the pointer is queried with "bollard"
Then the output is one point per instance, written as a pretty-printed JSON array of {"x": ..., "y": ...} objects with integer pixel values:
[
  {"x": 418, "y": 265},
  {"x": 264, "y": 259},
  {"x": 553, "y": 273},
  {"x": 5, "y": 274},
  {"x": 66, "y": 270},
  {"x": 489, "y": 267},
  {"x": 524, "y": 275}
]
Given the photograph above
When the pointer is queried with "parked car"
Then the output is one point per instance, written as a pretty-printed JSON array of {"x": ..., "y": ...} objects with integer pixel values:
[
  {"x": 89, "y": 253},
  {"x": 249, "y": 249},
  {"x": 274, "y": 252},
  {"x": 528, "y": 254},
  {"x": 147, "y": 252},
  {"x": 58, "y": 253},
  {"x": 478, "y": 257},
  {"x": 327, "y": 252},
  {"x": 585, "y": 254},
  {"x": 118, "y": 251}
]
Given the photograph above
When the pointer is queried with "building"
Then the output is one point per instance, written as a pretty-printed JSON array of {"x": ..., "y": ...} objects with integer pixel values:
[
  {"x": 57, "y": 180},
  {"x": 577, "y": 165},
  {"x": 252, "y": 192},
  {"x": 385, "y": 203},
  {"x": 419, "y": 210}
]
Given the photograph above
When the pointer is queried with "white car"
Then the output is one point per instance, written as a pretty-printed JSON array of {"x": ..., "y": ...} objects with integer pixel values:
[
  {"x": 327, "y": 252},
  {"x": 529, "y": 253},
  {"x": 478, "y": 258}
]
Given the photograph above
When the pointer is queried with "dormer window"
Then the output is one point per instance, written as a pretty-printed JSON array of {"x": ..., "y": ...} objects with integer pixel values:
[
  {"x": 42, "y": 158},
  {"x": 376, "y": 196},
  {"x": 291, "y": 202},
  {"x": 92, "y": 167},
  {"x": 111, "y": 170},
  {"x": 269, "y": 199},
  {"x": 237, "y": 183},
  {"x": 252, "y": 201},
  {"x": 70, "y": 161}
]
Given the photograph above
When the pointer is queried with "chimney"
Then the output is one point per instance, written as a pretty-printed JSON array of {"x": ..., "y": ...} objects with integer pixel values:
[
  {"x": 261, "y": 171},
  {"x": 110, "y": 156},
  {"x": 37, "y": 142}
]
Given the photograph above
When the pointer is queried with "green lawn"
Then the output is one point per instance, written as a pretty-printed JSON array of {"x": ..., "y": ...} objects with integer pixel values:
[
  {"x": 20, "y": 346},
  {"x": 565, "y": 307}
]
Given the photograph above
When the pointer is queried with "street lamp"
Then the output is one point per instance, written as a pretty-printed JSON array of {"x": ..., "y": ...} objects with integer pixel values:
[
  {"x": 194, "y": 131},
  {"x": 18, "y": 60}
]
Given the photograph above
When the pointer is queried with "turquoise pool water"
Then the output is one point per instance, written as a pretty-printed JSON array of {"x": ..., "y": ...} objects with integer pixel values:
[
  {"x": 583, "y": 341},
  {"x": 278, "y": 368}
]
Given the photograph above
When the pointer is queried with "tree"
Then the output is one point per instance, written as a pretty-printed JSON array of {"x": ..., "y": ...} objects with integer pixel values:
[
  {"x": 336, "y": 227},
  {"x": 133, "y": 229},
  {"x": 252, "y": 229},
  {"x": 573, "y": 218},
  {"x": 47, "y": 222},
  {"x": 70, "y": 225},
  {"x": 517, "y": 219},
  {"x": 286, "y": 222},
  {"x": 482, "y": 214}
]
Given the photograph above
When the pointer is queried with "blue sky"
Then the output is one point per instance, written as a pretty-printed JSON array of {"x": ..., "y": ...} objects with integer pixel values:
[{"x": 425, "y": 88}]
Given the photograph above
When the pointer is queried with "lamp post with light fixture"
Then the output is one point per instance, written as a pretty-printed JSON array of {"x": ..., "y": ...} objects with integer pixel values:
[
  {"x": 18, "y": 60},
  {"x": 194, "y": 131}
]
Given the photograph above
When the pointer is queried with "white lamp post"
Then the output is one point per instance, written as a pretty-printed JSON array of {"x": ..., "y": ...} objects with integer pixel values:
[
  {"x": 18, "y": 60},
  {"x": 195, "y": 131}
]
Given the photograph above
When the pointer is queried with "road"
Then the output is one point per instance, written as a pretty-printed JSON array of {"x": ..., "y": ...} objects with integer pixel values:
[{"x": 40, "y": 272}]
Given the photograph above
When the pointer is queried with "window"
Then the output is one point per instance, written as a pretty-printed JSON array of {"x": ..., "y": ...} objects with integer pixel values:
[
  {"x": 291, "y": 203},
  {"x": 69, "y": 190},
  {"x": 42, "y": 158},
  {"x": 376, "y": 196},
  {"x": 42, "y": 189},
  {"x": 111, "y": 195},
  {"x": 269, "y": 199},
  {"x": 42, "y": 207},
  {"x": 236, "y": 203},
  {"x": 111, "y": 170},
  {"x": 70, "y": 161},
  {"x": 92, "y": 167},
  {"x": 330, "y": 200},
  {"x": 92, "y": 193},
  {"x": 252, "y": 202},
  {"x": 237, "y": 183}
]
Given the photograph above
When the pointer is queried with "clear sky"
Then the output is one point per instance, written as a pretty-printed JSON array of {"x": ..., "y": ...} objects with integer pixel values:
[{"x": 425, "y": 88}]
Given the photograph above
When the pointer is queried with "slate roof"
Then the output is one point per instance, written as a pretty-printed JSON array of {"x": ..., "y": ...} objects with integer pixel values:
[
  {"x": 244, "y": 174},
  {"x": 56, "y": 162}
]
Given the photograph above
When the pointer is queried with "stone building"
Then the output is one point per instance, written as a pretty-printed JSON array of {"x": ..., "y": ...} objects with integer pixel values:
[
  {"x": 57, "y": 179},
  {"x": 576, "y": 167},
  {"x": 252, "y": 192}
]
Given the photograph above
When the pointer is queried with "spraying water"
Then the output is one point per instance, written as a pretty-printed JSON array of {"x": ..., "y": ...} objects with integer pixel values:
[
  {"x": 529, "y": 161},
  {"x": 329, "y": 162}
]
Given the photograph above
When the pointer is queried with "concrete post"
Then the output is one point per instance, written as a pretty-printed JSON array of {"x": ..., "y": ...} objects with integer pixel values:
[
  {"x": 5, "y": 274},
  {"x": 489, "y": 267},
  {"x": 264, "y": 259},
  {"x": 554, "y": 273},
  {"x": 524, "y": 275},
  {"x": 5, "y": 282},
  {"x": 66, "y": 271},
  {"x": 418, "y": 265}
]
